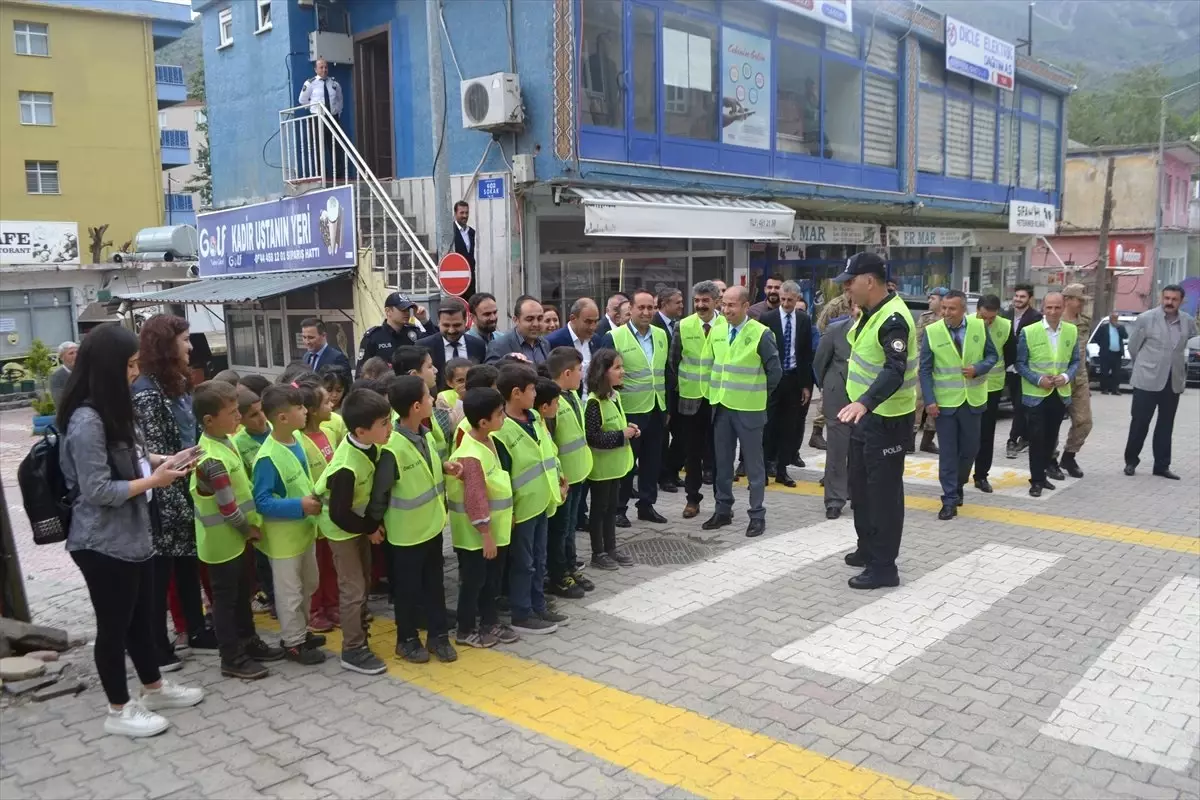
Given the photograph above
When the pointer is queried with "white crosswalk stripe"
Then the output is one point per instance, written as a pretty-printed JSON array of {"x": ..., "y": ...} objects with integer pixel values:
[
  {"x": 1141, "y": 698},
  {"x": 676, "y": 594},
  {"x": 870, "y": 643}
]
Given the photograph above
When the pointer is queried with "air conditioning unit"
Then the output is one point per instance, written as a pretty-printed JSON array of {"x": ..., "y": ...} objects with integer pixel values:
[{"x": 492, "y": 103}]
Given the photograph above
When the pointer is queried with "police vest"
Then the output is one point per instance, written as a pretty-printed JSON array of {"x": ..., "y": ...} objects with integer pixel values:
[
  {"x": 499, "y": 493},
  {"x": 695, "y": 363},
  {"x": 1045, "y": 360},
  {"x": 950, "y": 388},
  {"x": 416, "y": 510},
  {"x": 534, "y": 472},
  {"x": 611, "y": 463},
  {"x": 347, "y": 456},
  {"x": 574, "y": 456},
  {"x": 287, "y": 538},
  {"x": 335, "y": 429},
  {"x": 216, "y": 540},
  {"x": 739, "y": 381},
  {"x": 999, "y": 331},
  {"x": 867, "y": 359},
  {"x": 645, "y": 382},
  {"x": 247, "y": 446}
]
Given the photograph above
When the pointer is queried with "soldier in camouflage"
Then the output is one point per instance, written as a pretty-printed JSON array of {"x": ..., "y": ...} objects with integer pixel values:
[
  {"x": 834, "y": 309},
  {"x": 1080, "y": 409},
  {"x": 924, "y": 422}
]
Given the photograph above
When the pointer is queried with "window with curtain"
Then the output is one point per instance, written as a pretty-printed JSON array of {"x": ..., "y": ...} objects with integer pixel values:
[
  {"x": 602, "y": 47},
  {"x": 931, "y": 110},
  {"x": 798, "y": 95},
  {"x": 983, "y": 133},
  {"x": 689, "y": 77},
  {"x": 881, "y": 110},
  {"x": 958, "y": 126}
]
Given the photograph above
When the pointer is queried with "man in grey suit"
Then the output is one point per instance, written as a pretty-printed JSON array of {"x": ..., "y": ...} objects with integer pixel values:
[
  {"x": 1158, "y": 348},
  {"x": 526, "y": 336},
  {"x": 830, "y": 365},
  {"x": 58, "y": 379}
]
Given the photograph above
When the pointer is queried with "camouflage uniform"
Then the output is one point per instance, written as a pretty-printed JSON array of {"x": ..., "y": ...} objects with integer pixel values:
[
  {"x": 837, "y": 307},
  {"x": 923, "y": 421},
  {"x": 1080, "y": 409}
]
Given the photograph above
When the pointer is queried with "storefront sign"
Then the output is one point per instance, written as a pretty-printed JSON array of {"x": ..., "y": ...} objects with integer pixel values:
[
  {"x": 930, "y": 237},
  {"x": 830, "y": 12},
  {"x": 1123, "y": 254},
  {"x": 1035, "y": 218},
  {"x": 311, "y": 231},
  {"x": 32, "y": 243},
  {"x": 746, "y": 89},
  {"x": 808, "y": 232},
  {"x": 978, "y": 55}
]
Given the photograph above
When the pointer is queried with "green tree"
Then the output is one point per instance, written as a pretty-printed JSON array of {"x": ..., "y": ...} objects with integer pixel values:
[
  {"x": 1125, "y": 109},
  {"x": 201, "y": 184}
]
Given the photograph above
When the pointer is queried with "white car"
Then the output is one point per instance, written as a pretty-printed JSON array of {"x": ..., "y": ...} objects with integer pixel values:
[{"x": 1093, "y": 351}]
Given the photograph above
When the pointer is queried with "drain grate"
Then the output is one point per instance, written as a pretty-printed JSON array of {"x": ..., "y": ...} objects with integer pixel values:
[{"x": 666, "y": 550}]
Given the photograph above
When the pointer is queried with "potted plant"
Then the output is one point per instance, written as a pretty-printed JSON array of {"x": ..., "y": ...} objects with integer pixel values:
[
  {"x": 43, "y": 412},
  {"x": 10, "y": 375},
  {"x": 39, "y": 364}
]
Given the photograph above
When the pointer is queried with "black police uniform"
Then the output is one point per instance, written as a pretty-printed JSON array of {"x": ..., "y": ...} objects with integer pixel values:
[
  {"x": 382, "y": 340},
  {"x": 877, "y": 458}
]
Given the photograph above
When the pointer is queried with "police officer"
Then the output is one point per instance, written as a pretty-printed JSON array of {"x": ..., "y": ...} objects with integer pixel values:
[
  {"x": 881, "y": 383},
  {"x": 397, "y": 330},
  {"x": 1080, "y": 409},
  {"x": 925, "y": 422}
]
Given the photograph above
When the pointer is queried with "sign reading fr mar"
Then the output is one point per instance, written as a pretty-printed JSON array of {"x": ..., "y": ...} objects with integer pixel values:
[{"x": 978, "y": 55}]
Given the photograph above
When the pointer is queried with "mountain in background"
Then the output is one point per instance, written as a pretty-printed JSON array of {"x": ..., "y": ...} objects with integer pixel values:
[{"x": 186, "y": 52}]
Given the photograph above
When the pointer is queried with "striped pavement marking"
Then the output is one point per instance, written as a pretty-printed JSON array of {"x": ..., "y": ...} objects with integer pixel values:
[
  {"x": 871, "y": 642},
  {"x": 696, "y": 587},
  {"x": 1141, "y": 698}
]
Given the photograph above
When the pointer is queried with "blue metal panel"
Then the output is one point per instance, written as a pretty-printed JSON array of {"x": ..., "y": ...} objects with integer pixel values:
[{"x": 169, "y": 87}]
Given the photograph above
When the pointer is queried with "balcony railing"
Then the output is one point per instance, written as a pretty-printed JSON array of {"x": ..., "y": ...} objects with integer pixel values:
[
  {"x": 168, "y": 74},
  {"x": 179, "y": 202},
  {"x": 173, "y": 138}
]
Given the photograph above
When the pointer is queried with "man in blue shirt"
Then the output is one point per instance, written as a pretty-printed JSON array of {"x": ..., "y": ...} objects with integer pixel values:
[{"x": 1110, "y": 337}]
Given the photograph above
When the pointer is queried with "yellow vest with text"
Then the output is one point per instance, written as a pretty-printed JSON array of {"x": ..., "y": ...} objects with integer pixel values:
[
  {"x": 645, "y": 384},
  {"x": 534, "y": 468},
  {"x": 247, "y": 446},
  {"x": 216, "y": 540},
  {"x": 335, "y": 429},
  {"x": 739, "y": 381},
  {"x": 417, "y": 508},
  {"x": 347, "y": 456},
  {"x": 1045, "y": 360},
  {"x": 867, "y": 360},
  {"x": 287, "y": 538},
  {"x": 316, "y": 458},
  {"x": 499, "y": 493},
  {"x": 950, "y": 388},
  {"x": 999, "y": 331},
  {"x": 611, "y": 463},
  {"x": 695, "y": 362},
  {"x": 574, "y": 456}
]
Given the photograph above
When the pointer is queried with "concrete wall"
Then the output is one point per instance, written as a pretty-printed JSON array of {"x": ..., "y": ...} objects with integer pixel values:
[
  {"x": 1134, "y": 292},
  {"x": 1135, "y": 185}
]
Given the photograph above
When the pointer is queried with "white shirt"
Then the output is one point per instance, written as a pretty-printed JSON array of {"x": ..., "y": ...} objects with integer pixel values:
[
  {"x": 465, "y": 232},
  {"x": 1052, "y": 335},
  {"x": 585, "y": 350},
  {"x": 313, "y": 94},
  {"x": 670, "y": 323},
  {"x": 449, "y": 349}
]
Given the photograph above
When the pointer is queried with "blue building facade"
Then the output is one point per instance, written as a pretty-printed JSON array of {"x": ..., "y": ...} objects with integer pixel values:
[{"x": 853, "y": 124}]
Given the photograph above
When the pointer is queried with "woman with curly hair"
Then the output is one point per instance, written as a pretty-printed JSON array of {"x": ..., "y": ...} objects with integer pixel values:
[{"x": 162, "y": 400}]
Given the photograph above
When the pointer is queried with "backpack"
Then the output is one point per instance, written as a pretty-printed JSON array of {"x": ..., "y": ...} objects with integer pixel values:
[{"x": 44, "y": 490}]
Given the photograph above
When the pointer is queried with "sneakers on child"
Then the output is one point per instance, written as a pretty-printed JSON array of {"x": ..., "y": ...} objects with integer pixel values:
[
  {"x": 413, "y": 651},
  {"x": 582, "y": 581},
  {"x": 312, "y": 640},
  {"x": 319, "y": 623},
  {"x": 260, "y": 604},
  {"x": 134, "y": 720},
  {"x": 604, "y": 561},
  {"x": 243, "y": 667},
  {"x": 477, "y": 638},
  {"x": 550, "y": 615},
  {"x": 442, "y": 648},
  {"x": 503, "y": 633},
  {"x": 259, "y": 650},
  {"x": 362, "y": 661},
  {"x": 303, "y": 654},
  {"x": 622, "y": 558},
  {"x": 171, "y": 695},
  {"x": 205, "y": 640},
  {"x": 533, "y": 625},
  {"x": 568, "y": 588}
]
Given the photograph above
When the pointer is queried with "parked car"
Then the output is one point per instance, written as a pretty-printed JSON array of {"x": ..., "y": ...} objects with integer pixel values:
[
  {"x": 1193, "y": 360},
  {"x": 1093, "y": 351}
]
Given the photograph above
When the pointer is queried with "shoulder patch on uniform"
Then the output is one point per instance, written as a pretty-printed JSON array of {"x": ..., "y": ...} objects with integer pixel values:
[
  {"x": 372, "y": 329},
  {"x": 898, "y": 345}
]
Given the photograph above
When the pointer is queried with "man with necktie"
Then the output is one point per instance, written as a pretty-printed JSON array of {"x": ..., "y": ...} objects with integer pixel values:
[
  {"x": 670, "y": 309},
  {"x": 320, "y": 93},
  {"x": 786, "y": 408},
  {"x": 451, "y": 340},
  {"x": 318, "y": 352}
]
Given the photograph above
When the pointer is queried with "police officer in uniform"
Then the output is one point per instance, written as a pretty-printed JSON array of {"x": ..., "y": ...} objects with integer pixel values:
[
  {"x": 881, "y": 384},
  {"x": 397, "y": 330},
  {"x": 1080, "y": 409}
]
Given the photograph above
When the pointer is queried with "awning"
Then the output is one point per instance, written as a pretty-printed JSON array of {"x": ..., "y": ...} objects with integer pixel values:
[
  {"x": 664, "y": 215},
  {"x": 237, "y": 289}
]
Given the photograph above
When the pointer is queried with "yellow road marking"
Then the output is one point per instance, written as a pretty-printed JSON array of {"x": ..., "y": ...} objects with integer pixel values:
[
  {"x": 1033, "y": 519},
  {"x": 665, "y": 743}
]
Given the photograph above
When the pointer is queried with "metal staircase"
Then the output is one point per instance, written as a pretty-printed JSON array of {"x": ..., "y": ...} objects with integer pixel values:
[{"x": 317, "y": 154}]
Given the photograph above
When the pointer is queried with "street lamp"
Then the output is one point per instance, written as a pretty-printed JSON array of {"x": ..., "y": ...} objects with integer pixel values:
[{"x": 1158, "y": 205}]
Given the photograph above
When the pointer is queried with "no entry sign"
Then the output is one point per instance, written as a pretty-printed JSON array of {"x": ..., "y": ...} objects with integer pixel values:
[{"x": 454, "y": 274}]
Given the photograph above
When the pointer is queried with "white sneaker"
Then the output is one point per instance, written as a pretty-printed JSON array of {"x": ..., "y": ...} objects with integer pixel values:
[
  {"x": 134, "y": 720},
  {"x": 171, "y": 695}
]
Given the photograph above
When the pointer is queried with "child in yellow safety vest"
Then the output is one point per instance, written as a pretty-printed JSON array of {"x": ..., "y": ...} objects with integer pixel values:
[
  {"x": 225, "y": 523},
  {"x": 319, "y": 446},
  {"x": 575, "y": 460},
  {"x": 480, "y": 376},
  {"x": 608, "y": 434},
  {"x": 415, "y": 360},
  {"x": 250, "y": 436},
  {"x": 454, "y": 375}
]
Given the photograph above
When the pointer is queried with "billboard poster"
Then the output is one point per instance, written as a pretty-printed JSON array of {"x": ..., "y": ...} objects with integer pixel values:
[
  {"x": 312, "y": 231},
  {"x": 746, "y": 90},
  {"x": 33, "y": 243},
  {"x": 978, "y": 55},
  {"x": 835, "y": 13}
]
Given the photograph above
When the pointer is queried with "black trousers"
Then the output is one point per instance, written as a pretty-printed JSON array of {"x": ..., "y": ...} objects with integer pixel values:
[
  {"x": 233, "y": 620},
  {"x": 1110, "y": 371},
  {"x": 186, "y": 570},
  {"x": 1145, "y": 403},
  {"x": 1044, "y": 422},
  {"x": 698, "y": 450},
  {"x": 877, "y": 486},
  {"x": 122, "y": 594},
  {"x": 785, "y": 422},
  {"x": 672, "y": 450},
  {"x": 647, "y": 454},
  {"x": 417, "y": 575},
  {"x": 478, "y": 587},
  {"x": 1020, "y": 413},
  {"x": 987, "y": 435},
  {"x": 602, "y": 522}
]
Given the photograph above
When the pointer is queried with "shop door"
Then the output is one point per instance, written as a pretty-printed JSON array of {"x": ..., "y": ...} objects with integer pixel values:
[{"x": 373, "y": 109}]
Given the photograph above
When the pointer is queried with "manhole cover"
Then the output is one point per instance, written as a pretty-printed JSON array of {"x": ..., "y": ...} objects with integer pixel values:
[{"x": 666, "y": 550}]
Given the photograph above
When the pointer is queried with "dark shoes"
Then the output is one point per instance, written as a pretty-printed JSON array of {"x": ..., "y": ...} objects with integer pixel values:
[
  {"x": 869, "y": 579},
  {"x": 707, "y": 477},
  {"x": 949, "y": 511},
  {"x": 1048, "y": 485},
  {"x": 362, "y": 661},
  {"x": 983, "y": 485},
  {"x": 1035, "y": 490},
  {"x": 959, "y": 500},
  {"x": 783, "y": 479},
  {"x": 717, "y": 521},
  {"x": 855, "y": 559},
  {"x": 833, "y": 512},
  {"x": 668, "y": 486},
  {"x": 605, "y": 562},
  {"x": 412, "y": 651},
  {"x": 259, "y": 650},
  {"x": 303, "y": 654},
  {"x": 816, "y": 441},
  {"x": 205, "y": 640},
  {"x": 648, "y": 514},
  {"x": 243, "y": 667},
  {"x": 582, "y": 581},
  {"x": 798, "y": 463},
  {"x": 582, "y": 525},
  {"x": 567, "y": 588},
  {"x": 927, "y": 443},
  {"x": 622, "y": 521},
  {"x": 1055, "y": 473},
  {"x": 1166, "y": 473},
  {"x": 621, "y": 557},
  {"x": 691, "y": 510},
  {"x": 1130, "y": 469},
  {"x": 757, "y": 527},
  {"x": 442, "y": 648},
  {"x": 1010, "y": 450}
]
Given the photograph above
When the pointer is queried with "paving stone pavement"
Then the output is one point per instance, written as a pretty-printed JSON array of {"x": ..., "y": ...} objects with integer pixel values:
[{"x": 1037, "y": 648}]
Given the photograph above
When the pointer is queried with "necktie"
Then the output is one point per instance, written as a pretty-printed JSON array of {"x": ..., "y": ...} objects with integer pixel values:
[
  {"x": 732, "y": 334},
  {"x": 325, "y": 95},
  {"x": 958, "y": 339},
  {"x": 312, "y": 359},
  {"x": 787, "y": 343},
  {"x": 455, "y": 350},
  {"x": 707, "y": 328}
]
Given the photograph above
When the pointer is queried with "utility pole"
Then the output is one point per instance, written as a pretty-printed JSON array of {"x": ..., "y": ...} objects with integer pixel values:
[
  {"x": 1159, "y": 282},
  {"x": 444, "y": 240},
  {"x": 1106, "y": 279}
]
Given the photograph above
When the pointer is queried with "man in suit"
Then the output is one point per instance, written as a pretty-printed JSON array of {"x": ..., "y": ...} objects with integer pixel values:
[
  {"x": 452, "y": 341},
  {"x": 526, "y": 336},
  {"x": 1110, "y": 337},
  {"x": 616, "y": 313},
  {"x": 670, "y": 309},
  {"x": 1020, "y": 314},
  {"x": 771, "y": 303},
  {"x": 830, "y": 363},
  {"x": 688, "y": 372},
  {"x": 580, "y": 333},
  {"x": 1047, "y": 359},
  {"x": 319, "y": 351},
  {"x": 785, "y": 411},
  {"x": 487, "y": 316},
  {"x": 465, "y": 240},
  {"x": 1158, "y": 347}
]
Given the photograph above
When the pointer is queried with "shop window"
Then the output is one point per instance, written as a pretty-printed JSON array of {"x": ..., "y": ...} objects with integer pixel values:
[
  {"x": 645, "y": 70},
  {"x": 242, "y": 346},
  {"x": 931, "y": 131},
  {"x": 798, "y": 119},
  {"x": 880, "y": 118},
  {"x": 603, "y": 48},
  {"x": 689, "y": 78},
  {"x": 843, "y": 110}
]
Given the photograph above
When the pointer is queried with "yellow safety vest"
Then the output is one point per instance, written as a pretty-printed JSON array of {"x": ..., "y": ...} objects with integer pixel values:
[
  {"x": 1047, "y": 361},
  {"x": 287, "y": 538},
  {"x": 534, "y": 467},
  {"x": 574, "y": 456},
  {"x": 611, "y": 463},
  {"x": 217, "y": 541},
  {"x": 695, "y": 362},
  {"x": 499, "y": 492},
  {"x": 347, "y": 456},
  {"x": 247, "y": 446},
  {"x": 316, "y": 457},
  {"x": 417, "y": 510},
  {"x": 739, "y": 381},
  {"x": 335, "y": 429},
  {"x": 645, "y": 382},
  {"x": 867, "y": 360},
  {"x": 950, "y": 388},
  {"x": 999, "y": 331}
]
